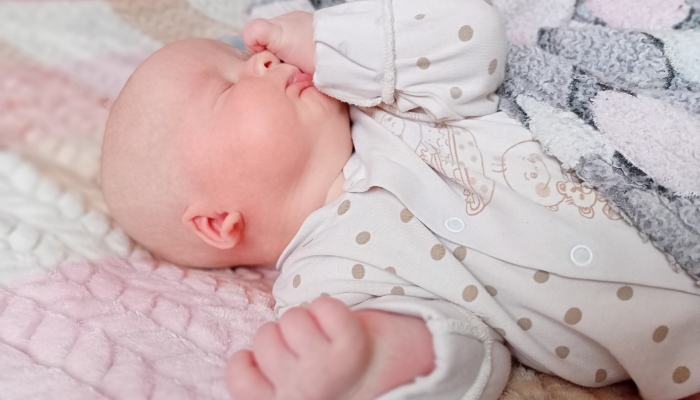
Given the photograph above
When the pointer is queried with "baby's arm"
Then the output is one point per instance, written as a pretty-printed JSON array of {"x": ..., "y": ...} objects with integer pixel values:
[
  {"x": 445, "y": 57},
  {"x": 327, "y": 351}
]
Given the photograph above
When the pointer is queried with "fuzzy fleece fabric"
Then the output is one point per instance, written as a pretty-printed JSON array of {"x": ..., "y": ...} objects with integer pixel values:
[{"x": 86, "y": 313}]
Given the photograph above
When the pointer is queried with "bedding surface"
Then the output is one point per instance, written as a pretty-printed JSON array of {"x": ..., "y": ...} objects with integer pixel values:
[{"x": 85, "y": 313}]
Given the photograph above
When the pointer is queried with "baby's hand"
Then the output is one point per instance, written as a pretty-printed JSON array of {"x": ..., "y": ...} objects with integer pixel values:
[
  {"x": 317, "y": 353},
  {"x": 290, "y": 37}
]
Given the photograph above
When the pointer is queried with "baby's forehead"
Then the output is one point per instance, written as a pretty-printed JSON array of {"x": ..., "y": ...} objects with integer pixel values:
[
  {"x": 196, "y": 59},
  {"x": 187, "y": 72}
]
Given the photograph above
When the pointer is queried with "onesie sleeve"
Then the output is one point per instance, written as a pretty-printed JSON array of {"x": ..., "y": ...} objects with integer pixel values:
[
  {"x": 445, "y": 57},
  {"x": 469, "y": 363}
]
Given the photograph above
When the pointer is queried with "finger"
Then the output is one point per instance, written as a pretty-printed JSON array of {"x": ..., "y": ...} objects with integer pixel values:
[
  {"x": 271, "y": 353},
  {"x": 258, "y": 34},
  {"x": 301, "y": 332},
  {"x": 244, "y": 379},
  {"x": 336, "y": 320}
]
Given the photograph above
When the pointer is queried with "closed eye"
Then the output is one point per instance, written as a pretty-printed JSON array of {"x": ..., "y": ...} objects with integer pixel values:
[{"x": 224, "y": 88}]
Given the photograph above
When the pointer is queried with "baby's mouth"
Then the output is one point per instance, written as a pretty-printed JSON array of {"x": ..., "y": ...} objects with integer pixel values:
[{"x": 301, "y": 79}]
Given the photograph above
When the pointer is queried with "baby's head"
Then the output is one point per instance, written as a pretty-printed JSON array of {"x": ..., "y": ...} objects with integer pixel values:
[{"x": 214, "y": 158}]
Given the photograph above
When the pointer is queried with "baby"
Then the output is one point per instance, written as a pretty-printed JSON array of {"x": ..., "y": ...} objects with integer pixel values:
[{"x": 419, "y": 247}]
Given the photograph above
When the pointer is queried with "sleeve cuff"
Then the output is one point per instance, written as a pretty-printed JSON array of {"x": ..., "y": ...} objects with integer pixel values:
[
  {"x": 354, "y": 52},
  {"x": 464, "y": 350}
]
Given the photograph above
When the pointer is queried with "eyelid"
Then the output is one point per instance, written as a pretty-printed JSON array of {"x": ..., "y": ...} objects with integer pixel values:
[{"x": 225, "y": 88}]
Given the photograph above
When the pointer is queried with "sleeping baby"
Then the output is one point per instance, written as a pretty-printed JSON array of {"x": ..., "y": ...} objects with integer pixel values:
[{"x": 422, "y": 237}]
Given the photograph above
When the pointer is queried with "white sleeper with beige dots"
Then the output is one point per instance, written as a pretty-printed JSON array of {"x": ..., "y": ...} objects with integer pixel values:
[
  {"x": 453, "y": 212},
  {"x": 370, "y": 251}
]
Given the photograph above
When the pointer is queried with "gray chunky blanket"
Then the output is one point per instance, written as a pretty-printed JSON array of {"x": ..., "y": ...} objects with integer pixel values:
[
  {"x": 611, "y": 89},
  {"x": 621, "y": 108}
]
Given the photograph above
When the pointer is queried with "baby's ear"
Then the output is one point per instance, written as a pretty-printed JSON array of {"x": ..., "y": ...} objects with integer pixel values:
[{"x": 222, "y": 230}]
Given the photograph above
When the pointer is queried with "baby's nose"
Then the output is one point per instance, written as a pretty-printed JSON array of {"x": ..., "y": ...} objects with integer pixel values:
[{"x": 263, "y": 61}]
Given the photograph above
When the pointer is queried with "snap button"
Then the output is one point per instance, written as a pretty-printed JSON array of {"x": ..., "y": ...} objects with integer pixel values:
[
  {"x": 581, "y": 256},
  {"x": 454, "y": 224}
]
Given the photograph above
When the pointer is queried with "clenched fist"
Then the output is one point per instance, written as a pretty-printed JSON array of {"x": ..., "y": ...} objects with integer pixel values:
[
  {"x": 290, "y": 37},
  {"x": 317, "y": 353}
]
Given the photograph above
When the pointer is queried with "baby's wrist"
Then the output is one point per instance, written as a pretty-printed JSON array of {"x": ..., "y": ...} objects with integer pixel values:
[{"x": 402, "y": 350}]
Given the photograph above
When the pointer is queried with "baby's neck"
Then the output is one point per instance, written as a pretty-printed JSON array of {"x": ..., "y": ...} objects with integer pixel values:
[{"x": 336, "y": 189}]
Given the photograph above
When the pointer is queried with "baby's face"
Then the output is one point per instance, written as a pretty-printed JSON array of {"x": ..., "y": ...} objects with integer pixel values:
[
  {"x": 244, "y": 133},
  {"x": 265, "y": 112}
]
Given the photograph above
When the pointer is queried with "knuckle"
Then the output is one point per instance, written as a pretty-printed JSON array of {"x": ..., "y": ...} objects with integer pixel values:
[
  {"x": 238, "y": 360},
  {"x": 255, "y": 28},
  {"x": 239, "y": 387},
  {"x": 293, "y": 314},
  {"x": 325, "y": 301},
  {"x": 264, "y": 334},
  {"x": 329, "y": 307}
]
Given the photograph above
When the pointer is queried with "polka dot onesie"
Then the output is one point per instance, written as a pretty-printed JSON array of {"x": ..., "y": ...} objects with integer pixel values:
[{"x": 453, "y": 213}]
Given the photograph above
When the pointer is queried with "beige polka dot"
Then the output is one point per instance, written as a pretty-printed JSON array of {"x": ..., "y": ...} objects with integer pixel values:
[
  {"x": 573, "y": 316},
  {"x": 681, "y": 374},
  {"x": 455, "y": 92},
  {"x": 397, "y": 290},
  {"x": 489, "y": 2},
  {"x": 406, "y": 215},
  {"x": 562, "y": 352},
  {"x": 541, "y": 276},
  {"x": 474, "y": 158},
  {"x": 601, "y": 375},
  {"x": 525, "y": 323},
  {"x": 423, "y": 63},
  {"x": 490, "y": 98},
  {"x": 625, "y": 293},
  {"x": 465, "y": 33},
  {"x": 344, "y": 207},
  {"x": 390, "y": 270},
  {"x": 660, "y": 334},
  {"x": 484, "y": 188},
  {"x": 472, "y": 180},
  {"x": 297, "y": 281},
  {"x": 491, "y": 290},
  {"x": 437, "y": 252},
  {"x": 362, "y": 237},
  {"x": 324, "y": 294},
  {"x": 470, "y": 293},
  {"x": 358, "y": 271},
  {"x": 460, "y": 253},
  {"x": 492, "y": 66},
  {"x": 500, "y": 331},
  {"x": 304, "y": 304},
  {"x": 420, "y": 16}
]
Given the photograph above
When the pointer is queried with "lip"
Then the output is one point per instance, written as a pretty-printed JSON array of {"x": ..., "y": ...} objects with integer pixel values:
[{"x": 301, "y": 80}]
